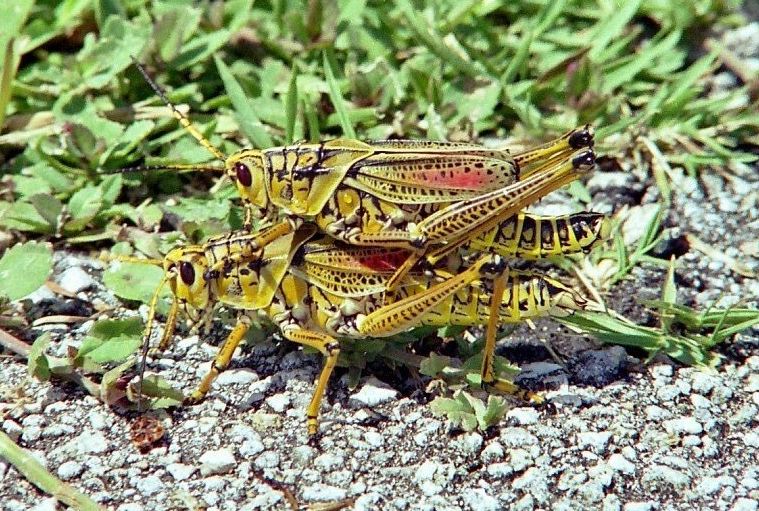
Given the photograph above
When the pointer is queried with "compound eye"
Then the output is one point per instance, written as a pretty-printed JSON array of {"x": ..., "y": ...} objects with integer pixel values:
[
  {"x": 243, "y": 174},
  {"x": 187, "y": 273}
]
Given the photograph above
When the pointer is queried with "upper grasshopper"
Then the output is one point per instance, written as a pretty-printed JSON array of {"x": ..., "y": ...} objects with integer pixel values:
[{"x": 422, "y": 196}]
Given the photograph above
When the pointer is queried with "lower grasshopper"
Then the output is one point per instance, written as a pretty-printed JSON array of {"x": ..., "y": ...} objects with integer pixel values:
[
  {"x": 421, "y": 196},
  {"x": 318, "y": 292}
]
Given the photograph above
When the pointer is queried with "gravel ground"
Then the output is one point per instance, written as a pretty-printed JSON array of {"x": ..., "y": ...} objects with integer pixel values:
[{"x": 619, "y": 434}]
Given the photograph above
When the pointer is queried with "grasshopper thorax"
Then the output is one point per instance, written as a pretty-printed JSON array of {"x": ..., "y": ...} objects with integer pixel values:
[
  {"x": 186, "y": 268},
  {"x": 247, "y": 170}
]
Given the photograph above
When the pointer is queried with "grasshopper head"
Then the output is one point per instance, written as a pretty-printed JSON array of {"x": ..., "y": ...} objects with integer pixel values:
[
  {"x": 187, "y": 266},
  {"x": 246, "y": 169}
]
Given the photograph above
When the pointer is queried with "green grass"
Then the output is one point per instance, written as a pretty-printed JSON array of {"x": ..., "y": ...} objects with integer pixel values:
[{"x": 73, "y": 108}]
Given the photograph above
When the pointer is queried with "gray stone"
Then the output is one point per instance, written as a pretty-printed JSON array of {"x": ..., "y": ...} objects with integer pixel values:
[
  {"x": 373, "y": 393},
  {"x": 597, "y": 367},
  {"x": 69, "y": 469},
  {"x": 75, "y": 280},
  {"x": 219, "y": 461},
  {"x": 520, "y": 459},
  {"x": 533, "y": 481}
]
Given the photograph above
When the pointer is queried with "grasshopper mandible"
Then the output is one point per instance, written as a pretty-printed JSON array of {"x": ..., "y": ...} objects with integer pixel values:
[
  {"x": 422, "y": 196},
  {"x": 318, "y": 292}
]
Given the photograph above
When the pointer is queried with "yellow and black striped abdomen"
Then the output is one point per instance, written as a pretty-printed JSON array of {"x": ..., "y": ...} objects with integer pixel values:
[
  {"x": 527, "y": 295},
  {"x": 530, "y": 236}
]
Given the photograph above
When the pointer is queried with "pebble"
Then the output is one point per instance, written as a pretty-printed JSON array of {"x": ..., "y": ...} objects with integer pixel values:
[
  {"x": 268, "y": 459},
  {"x": 597, "y": 367},
  {"x": 150, "y": 485},
  {"x": 323, "y": 493},
  {"x": 374, "y": 439},
  {"x": 711, "y": 485},
  {"x": 278, "y": 402},
  {"x": 48, "y": 504},
  {"x": 470, "y": 443},
  {"x": 480, "y": 500},
  {"x": 241, "y": 376},
  {"x": 74, "y": 280},
  {"x": 594, "y": 440},
  {"x": 745, "y": 504},
  {"x": 523, "y": 416},
  {"x": 69, "y": 469},
  {"x": 373, "y": 393},
  {"x": 619, "y": 463},
  {"x": 641, "y": 506},
  {"x": 92, "y": 442},
  {"x": 180, "y": 471},
  {"x": 329, "y": 461},
  {"x": 493, "y": 451},
  {"x": 683, "y": 425},
  {"x": 219, "y": 461},
  {"x": 661, "y": 473},
  {"x": 12, "y": 429}
]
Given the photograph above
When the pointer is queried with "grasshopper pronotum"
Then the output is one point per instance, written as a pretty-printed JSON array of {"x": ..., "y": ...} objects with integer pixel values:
[
  {"x": 422, "y": 196},
  {"x": 318, "y": 292}
]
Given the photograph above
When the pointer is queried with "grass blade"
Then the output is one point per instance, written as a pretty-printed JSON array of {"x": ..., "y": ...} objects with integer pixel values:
[
  {"x": 337, "y": 98},
  {"x": 249, "y": 123}
]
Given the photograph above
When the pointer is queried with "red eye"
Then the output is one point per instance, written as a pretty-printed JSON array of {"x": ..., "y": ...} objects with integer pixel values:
[
  {"x": 187, "y": 273},
  {"x": 243, "y": 174}
]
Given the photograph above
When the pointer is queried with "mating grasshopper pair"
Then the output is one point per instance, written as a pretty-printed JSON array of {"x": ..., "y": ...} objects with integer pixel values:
[
  {"x": 317, "y": 292},
  {"x": 401, "y": 207}
]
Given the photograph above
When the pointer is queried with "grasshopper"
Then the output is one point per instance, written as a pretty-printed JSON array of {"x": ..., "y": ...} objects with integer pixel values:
[
  {"x": 421, "y": 196},
  {"x": 317, "y": 292}
]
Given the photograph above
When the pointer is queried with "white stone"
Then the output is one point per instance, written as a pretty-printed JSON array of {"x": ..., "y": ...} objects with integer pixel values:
[
  {"x": 217, "y": 462},
  {"x": 594, "y": 440},
  {"x": 92, "y": 442},
  {"x": 12, "y": 429},
  {"x": 480, "y": 500},
  {"x": 373, "y": 393},
  {"x": 425, "y": 471},
  {"x": 374, "y": 439},
  {"x": 523, "y": 416},
  {"x": 619, "y": 463},
  {"x": 74, "y": 279},
  {"x": 150, "y": 485},
  {"x": 683, "y": 425},
  {"x": 323, "y": 493},
  {"x": 744, "y": 504},
  {"x": 69, "y": 470},
  {"x": 328, "y": 461},
  {"x": 180, "y": 471},
  {"x": 49, "y": 504},
  {"x": 278, "y": 402},
  {"x": 242, "y": 376}
]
